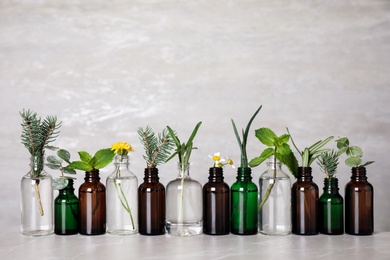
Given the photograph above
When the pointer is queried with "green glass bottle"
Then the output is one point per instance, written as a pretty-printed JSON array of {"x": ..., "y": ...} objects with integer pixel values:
[
  {"x": 244, "y": 196},
  {"x": 331, "y": 218},
  {"x": 66, "y": 207}
]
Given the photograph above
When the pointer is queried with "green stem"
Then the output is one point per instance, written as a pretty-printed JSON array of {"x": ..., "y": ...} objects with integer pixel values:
[
  {"x": 269, "y": 189},
  {"x": 181, "y": 217},
  {"x": 123, "y": 200}
]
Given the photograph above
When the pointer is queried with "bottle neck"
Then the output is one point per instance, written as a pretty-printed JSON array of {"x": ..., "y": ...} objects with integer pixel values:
[
  {"x": 151, "y": 175},
  {"x": 36, "y": 165},
  {"x": 121, "y": 161},
  {"x": 244, "y": 174},
  {"x": 273, "y": 164},
  {"x": 92, "y": 176},
  {"x": 184, "y": 171},
  {"x": 69, "y": 189},
  {"x": 359, "y": 174},
  {"x": 331, "y": 185},
  {"x": 216, "y": 174},
  {"x": 304, "y": 174}
]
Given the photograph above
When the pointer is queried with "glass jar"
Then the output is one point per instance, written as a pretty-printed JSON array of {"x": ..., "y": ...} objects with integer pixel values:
[
  {"x": 66, "y": 208},
  {"x": 92, "y": 205},
  {"x": 275, "y": 213},
  {"x": 304, "y": 204},
  {"x": 244, "y": 201},
  {"x": 216, "y": 208},
  {"x": 151, "y": 204},
  {"x": 122, "y": 200},
  {"x": 359, "y": 204},
  {"x": 331, "y": 216},
  {"x": 184, "y": 205},
  {"x": 36, "y": 200}
]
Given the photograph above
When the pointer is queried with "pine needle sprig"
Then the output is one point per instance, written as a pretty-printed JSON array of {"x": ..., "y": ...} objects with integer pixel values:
[
  {"x": 157, "y": 148},
  {"x": 328, "y": 162}
]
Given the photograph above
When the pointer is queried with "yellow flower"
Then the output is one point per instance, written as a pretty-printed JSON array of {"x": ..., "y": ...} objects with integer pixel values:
[{"x": 122, "y": 148}]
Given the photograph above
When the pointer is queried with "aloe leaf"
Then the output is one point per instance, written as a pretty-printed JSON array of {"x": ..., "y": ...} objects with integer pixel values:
[
  {"x": 319, "y": 144},
  {"x": 192, "y": 136},
  {"x": 174, "y": 137}
]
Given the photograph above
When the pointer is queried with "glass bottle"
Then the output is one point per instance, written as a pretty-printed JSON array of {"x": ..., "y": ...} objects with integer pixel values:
[
  {"x": 184, "y": 205},
  {"x": 359, "y": 204},
  {"x": 122, "y": 200},
  {"x": 244, "y": 201},
  {"x": 36, "y": 200},
  {"x": 92, "y": 205},
  {"x": 66, "y": 208},
  {"x": 304, "y": 204},
  {"x": 275, "y": 214},
  {"x": 151, "y": 204},
  {"x": 216, "y": 208},
  {"x": 331, "y": 216}
]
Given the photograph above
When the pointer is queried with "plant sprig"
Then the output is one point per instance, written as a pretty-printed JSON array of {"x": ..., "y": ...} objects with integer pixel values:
[
  {"x": 55, "y": 162},
  {"x": 328, "y": 162},
  {"x": 88, "y": 163},
  {"x": 242, "y": 143},
  {"x": 183, "y": 150},
  {"x": 157, "y": 148},
  {"x": 354, "y": 153},
  {"x": 310, "y": 154}
]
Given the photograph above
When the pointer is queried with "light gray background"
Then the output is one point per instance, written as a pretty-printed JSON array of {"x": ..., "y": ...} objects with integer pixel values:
[{"x": 106, "y": 68}]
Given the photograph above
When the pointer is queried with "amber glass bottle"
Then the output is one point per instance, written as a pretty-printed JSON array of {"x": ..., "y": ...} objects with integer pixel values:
[
  {"x": 92, "y": 205},
  {"x": 151, "y": 204},
  {"x": 304, "y": 204},
  {"x": 359, "y": 204},
  {"x": 216, "y": 211}
]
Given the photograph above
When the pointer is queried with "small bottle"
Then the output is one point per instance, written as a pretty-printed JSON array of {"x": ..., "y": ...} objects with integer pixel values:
[
  {"x": 216, "y": 209},
  {"x": 331, "y": 216},
  {"x": 92, "y": 205},
  {"x": 151, "y": 204},
  {"x": 66, "y": 208},
  {"x": 359, "y": 204},
  {"x": 122, "y": 199},
  {"x": 244, "y": 204},
  {"x": 304, "y": 204},
  {"x": 275, "y": 214}
]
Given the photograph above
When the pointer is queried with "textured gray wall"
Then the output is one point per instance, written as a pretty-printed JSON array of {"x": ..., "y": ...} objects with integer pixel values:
[{"x": 106, "y": 68}]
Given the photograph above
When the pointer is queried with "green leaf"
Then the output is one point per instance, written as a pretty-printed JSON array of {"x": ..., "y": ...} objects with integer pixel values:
[
  {"x": 263, "y": 156},
  {"x": 305, "y": 157},
  {"x": 53, "y": 166},
  {"x": 266, "y": 136},
  {"x": 342, "y": 150},
  {"x": 367, "y": 163},
  {"x": 52, "y": 159},
  {"x": 319, "y": 144},
  {"x": 342, "y": 142},
  {"x": 80, "y": 165},
  {"x": 283, "y": 139},
  {"x": 284, "y": 149},
  {"x": 290, "y": 161},
  {"x": 102, "y": 158},
  {"x": 174, "y": 137},
  {"x": 85, "y": 157},
  {"x": 68, "y": 170},
  {"x": 353, "y": 161},
  {"x": 194, "y": 133},
  {"x": 354, "y": 151},
  {"x": 64, "y": 155},
  {"x": 59, "y": 183}
]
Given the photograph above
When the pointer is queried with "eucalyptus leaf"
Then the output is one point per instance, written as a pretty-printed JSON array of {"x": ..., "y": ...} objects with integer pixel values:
[
  {"x": 52, "y": 159},
  {"x": 68, "y": 170},
  {"x": 53, "y": 166},
  {"x": 59, "y": 183},
  {"x": 342, "y": 150},
  {"x": 354, "y": 151},
  {"x": 342, "y": 142},
  {"x": 64, "y": 155},
  {"x": 353, "y": 161}
]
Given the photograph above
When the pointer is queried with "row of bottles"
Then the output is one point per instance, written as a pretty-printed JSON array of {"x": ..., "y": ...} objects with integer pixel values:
[{"x": 187, "y": 208}]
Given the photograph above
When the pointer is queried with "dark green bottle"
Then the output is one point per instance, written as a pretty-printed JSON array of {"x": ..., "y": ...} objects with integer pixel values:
[
  {"x": 66, "y": 207},
  {"x": 331, "y": 217},
  {"x": 244, "y": 196}
]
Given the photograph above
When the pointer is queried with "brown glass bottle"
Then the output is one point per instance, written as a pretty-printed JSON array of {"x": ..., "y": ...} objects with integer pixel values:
[
  {"x": 359, "y": 204},
  {"x": 92, "y": 205},
  {"x": 216, "y": 204},
  {"x": 151, "y": 204},
  {"x": 304, "y": 204}
]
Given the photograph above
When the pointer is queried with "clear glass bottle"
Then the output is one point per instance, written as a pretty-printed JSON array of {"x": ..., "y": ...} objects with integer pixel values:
[
  {"x": 304, "y": 204},
  {"x": 92, "y": 205},
  {"x": 122, "y": 199},
  {"x": 244, "y": 199},
  {"x": 331, "y": 215},
  {"x": 151, "y": 204},
  {"x": 359, "y": 204},
  {"x": 216, "y": 204},
  {"x": 66, "y": 211},
  {"x": 36, "y": 200},
  {"x": 184, "y": 205},
  {"x": 275, "y": 214}
]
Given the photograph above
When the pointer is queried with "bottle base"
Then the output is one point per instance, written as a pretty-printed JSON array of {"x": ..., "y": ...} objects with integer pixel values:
[
  {"x": 184, "y": 229},
  {"x": 124, "y": 232},
  {"x": 38, "y": 233}
]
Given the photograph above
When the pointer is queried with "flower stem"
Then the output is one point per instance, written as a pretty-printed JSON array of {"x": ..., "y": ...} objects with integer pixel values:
[{"x": 123, "y": 200}]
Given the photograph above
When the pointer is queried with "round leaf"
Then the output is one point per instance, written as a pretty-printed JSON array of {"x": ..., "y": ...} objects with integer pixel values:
[
  {"x": 53, "y": 166},
  {"x": 68, "y": 171},
  {"x": 59, "y": 183},
  {"x": 64, "y": 155},
  {"x": 54, "y": 159},
  {"x": 354, "y": 151},
  {"x": 353, "y": 161}
]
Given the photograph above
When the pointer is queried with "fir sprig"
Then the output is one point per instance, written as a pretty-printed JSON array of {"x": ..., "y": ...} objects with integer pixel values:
[
  {"x": 157, "y": 148},
  {"x": 328, "y": 162}
]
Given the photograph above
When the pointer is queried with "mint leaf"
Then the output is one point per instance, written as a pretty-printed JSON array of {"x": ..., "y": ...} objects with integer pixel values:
[
  {"x": 263, "y": 156},
  {"x": 102, "y": 158},
  {"x": 283, "y": 149},
  {"x": 266, "y": 136},
  {"x": 85, "y": 157},
  {"x": 290, "y": 161},
  {"x": 79, "y": 165}
]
